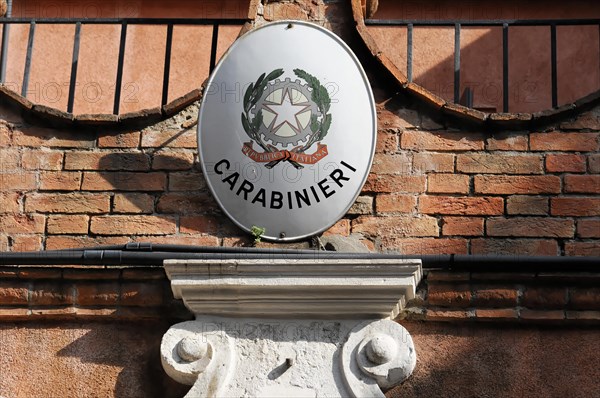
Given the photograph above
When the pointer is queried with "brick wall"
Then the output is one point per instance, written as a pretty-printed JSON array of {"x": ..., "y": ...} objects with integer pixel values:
[
  {"x": 437, "y": 190},
  {"x": 432, "y": 189}
]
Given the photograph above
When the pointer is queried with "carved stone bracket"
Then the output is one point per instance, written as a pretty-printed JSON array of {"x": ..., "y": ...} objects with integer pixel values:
[{"x": 294, "y": 328}]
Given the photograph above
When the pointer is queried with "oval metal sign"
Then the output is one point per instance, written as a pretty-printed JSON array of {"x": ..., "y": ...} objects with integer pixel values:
[{"x": 287, "y": 130}]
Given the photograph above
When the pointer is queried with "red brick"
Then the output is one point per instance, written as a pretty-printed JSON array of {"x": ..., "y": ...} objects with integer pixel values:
[
  {"x": 26, "y": 243},
  {"x": 497, "y": 314},
  {"x": 441, "y": 141},
  {"x": 133, "y": 225},
  {"x": 124, "y": 181},
  {"x": 449, "y": 295},
  {"x": 447, "y": 276},
  {"x": 538, "y": 247},
  {"x": 192, "y": 240},
  {"x": 467, "y": 206},
  {"x": 67, "y": 203},
  {"x": 60, "y": 181},
  {"x": 394, "y": 183},
  {"x": 495, "y": 297},
  {"x": 582, "y": 184},
  {"x": 396, "y": 226},
  {"x": 391, "y": 164},
  {"x": 392, "y": 203},
  {"x": 126, "y": 139},
  {"x": 584, "y": 298},
  {"x": 68, "y": 313},
  {"x": 169, "y": 138},
  {"x": 362, "y": 205},
  {"x": 517, "y": 184},
  {"x": 17, "y": 181},
  {"x": 172, "y": 160},
  {"x": 425, "y": 245},
  {"x": 199, "y": 224},
  {"x": 141, "y": 294},
  {"x": 583, "y": 315},
  {"x": 22, "y": 224},
  {"x": 438, "y": 162},
  {"x": 37, "y": 137},
  {"x": 17, "y": 314},
  {"x": 575, "y": 207},
  {"x": 474, "y": 163},
  {"x": 13, "y": 293},
  {"x": 594, "y": 162},
  {"x": 386, "y": 142},
  {"x": 100, "y": 294},
  {"x": 5, "y": 135},
  {"x": 562, "y": 163},
  {"x": 10, "y": 160},
  {"x": 530, "y": 205},
  {"x": 342, "y": 227},
  {"x": 185, "y": 203},
  {"x": 3, "y": 244},
  {"x": 42, "y": 160},
  {"x": 555, "y": 141},
  {"x": 582, "y": 249},
  {"x": 74, "y": 242},
  {"x": 537, "y": 315},
  {"x": 401, "y": 119},
  {"x": 530, "y": 227},
  {"x": 465, "y": 226},
  {"x": 144, "y": 274},
  {"x": 133, "y": 203},
  {"x": 507, "y": 142},
  {"x": 544, "y": 297},
  {"x": 93, "y": 273},
  {"x": 279, "y": 11},
  {"x": 9, "y": 202},
  {"x": 588, "y": 228},
  {"x": 45, "y": 293},
  {"x": 187, "y": 181},
  {"x": 86, "y": 160},
  {"x": 446, "y": 315},
  {"x": 67, "y": 224},
  {"x": 448, "y": 183},
  {"x": 42, "y": 272},
  {"x": 587, "y": 120}
]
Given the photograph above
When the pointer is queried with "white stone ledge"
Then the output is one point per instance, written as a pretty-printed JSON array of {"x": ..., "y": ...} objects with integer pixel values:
[{"x": 356, "y": 288}]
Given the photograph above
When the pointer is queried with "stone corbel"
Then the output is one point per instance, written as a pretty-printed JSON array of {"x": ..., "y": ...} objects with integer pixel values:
[{"x": 291, "y": 327}]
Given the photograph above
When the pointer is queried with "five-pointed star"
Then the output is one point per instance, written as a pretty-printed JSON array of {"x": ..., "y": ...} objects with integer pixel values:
[{"x": 286, "y": 112}]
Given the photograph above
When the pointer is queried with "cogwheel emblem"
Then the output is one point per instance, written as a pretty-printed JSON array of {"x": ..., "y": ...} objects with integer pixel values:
[
  {"x": 286, "y": 109},
  {"x": 282, "y": 114}
]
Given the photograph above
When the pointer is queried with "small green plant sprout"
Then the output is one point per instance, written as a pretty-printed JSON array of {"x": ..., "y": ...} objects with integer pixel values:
[{"x": 257, "y": 232}]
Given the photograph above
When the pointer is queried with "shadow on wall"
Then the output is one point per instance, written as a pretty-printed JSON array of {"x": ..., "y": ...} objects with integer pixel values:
[
  {"x": 163, "y": 180},
  {"x": 486, "y": 361},
  {"x": 118, "y": 359}
]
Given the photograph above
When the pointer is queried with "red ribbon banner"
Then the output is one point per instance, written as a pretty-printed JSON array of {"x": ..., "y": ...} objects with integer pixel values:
[{"x": 302, "y": 158}]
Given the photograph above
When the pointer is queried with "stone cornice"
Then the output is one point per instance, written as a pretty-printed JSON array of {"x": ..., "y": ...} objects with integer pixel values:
[{"x": 295, "y": 288}]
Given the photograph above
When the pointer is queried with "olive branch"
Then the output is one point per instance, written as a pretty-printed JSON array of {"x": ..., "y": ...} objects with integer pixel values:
[
  {"x": 251, "y": 97},
  {"x": 320, "y": 97}
]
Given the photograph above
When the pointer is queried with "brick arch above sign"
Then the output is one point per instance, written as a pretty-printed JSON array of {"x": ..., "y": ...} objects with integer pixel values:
[
  {"x": 125, "y": 64},
  {"x": 452, "y": 110}
]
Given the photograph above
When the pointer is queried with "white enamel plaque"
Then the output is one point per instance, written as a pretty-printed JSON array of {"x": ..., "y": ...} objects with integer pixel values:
[{"x": 287, "y": 130}]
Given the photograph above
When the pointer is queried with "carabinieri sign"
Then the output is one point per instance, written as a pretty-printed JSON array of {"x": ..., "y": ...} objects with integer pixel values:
[{"x": 287, "y": 130}]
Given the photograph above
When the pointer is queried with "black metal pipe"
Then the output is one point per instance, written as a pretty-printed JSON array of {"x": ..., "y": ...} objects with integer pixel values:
[
  {"x": 475, "y": 263},
  {"x": 149, "y": 247}
]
